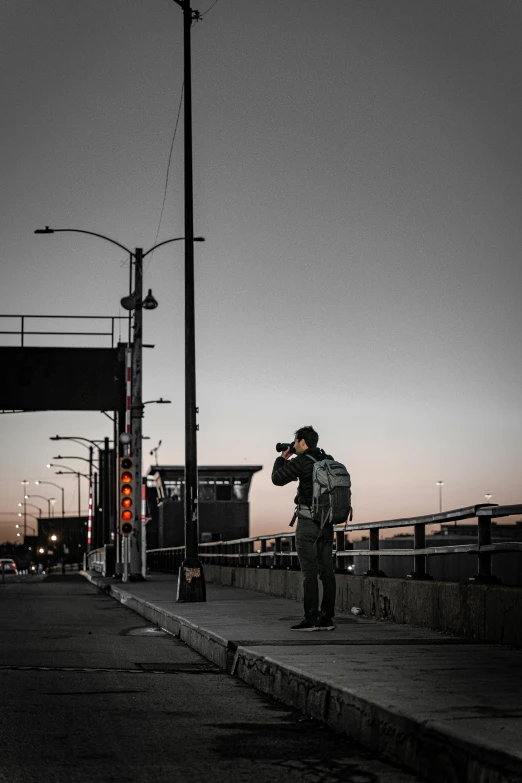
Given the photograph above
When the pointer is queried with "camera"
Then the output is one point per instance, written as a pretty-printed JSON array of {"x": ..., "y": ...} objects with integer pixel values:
[{"x": 284, "y": 446}]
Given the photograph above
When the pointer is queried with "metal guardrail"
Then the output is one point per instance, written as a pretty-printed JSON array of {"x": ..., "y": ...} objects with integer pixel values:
[
  {"x": 95, "y": 560},
  {"x": 254, "y": 552}
]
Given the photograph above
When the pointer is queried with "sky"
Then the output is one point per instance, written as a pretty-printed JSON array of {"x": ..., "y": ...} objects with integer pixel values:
[{"x": 357, "y": 170}]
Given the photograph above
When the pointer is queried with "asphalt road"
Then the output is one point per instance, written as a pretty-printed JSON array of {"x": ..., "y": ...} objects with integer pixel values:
[{"x": 90, "y": 692}]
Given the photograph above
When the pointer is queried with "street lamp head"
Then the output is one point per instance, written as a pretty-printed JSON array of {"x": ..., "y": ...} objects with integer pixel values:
[
  {"x": 199, "y": 239},
  {"x": 128, "y": 302},
  {"x": 149, "y": 303},
  {"x": 45, "y": 230}
]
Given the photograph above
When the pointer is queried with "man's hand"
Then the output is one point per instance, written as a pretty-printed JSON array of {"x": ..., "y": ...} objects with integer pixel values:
[{"x": 287, "y": 454}]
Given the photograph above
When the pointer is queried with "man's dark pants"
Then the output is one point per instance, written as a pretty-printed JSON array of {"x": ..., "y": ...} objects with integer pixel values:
[{"x": 315, "y": 551}]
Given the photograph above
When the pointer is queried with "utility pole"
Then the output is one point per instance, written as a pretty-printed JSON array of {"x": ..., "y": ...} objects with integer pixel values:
[
  {"x": 90, "y": 517},
  {"x": 24, "y": 482},
  {"x": 191, "y": 581},
  {"x": 134, "y": 539}
]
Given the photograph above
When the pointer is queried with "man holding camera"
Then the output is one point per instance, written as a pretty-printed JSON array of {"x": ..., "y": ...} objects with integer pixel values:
[{"x": 314, "y": 545}]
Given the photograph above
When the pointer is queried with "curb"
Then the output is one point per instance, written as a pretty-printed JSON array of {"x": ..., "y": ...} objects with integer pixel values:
[{"x": 425, "y": 747}]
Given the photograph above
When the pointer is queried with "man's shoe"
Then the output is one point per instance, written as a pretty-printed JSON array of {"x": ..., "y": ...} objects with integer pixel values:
[
  {"x": 325, "y": 624},
  {"x": 304, "y": 625}
]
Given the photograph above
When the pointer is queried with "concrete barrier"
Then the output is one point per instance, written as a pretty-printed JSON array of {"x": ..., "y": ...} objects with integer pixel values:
[{"x": 487, "y": 613}]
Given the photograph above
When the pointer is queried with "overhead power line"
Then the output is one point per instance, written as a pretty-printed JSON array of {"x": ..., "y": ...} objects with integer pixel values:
[
  {"x": 208, "y": 9},
  {"x": 168, "y": 172}
]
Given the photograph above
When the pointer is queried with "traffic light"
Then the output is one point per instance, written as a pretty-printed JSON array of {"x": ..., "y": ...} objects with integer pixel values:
[{"x": 127, "y": 495}]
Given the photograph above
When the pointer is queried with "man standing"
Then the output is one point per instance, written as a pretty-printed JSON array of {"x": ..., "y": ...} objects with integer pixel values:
[{"x": 313, "y": 544}]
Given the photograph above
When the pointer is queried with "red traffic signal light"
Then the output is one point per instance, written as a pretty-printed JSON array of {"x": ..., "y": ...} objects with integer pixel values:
[{"x": 127, "y": 495}]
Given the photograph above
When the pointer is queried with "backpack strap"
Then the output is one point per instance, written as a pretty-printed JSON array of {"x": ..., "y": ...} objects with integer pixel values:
[{"x": 310, "y": 457}]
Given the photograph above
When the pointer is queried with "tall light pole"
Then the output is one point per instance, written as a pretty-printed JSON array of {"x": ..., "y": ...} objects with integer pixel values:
[
  {"x": 92, "y": 528},
  {"x": 24, "y": 484},
  {"x": 29, "y": 526},
  {"x": 43, "y": 498},
  {"x": 25, "y": 515},
  {"x": 69, "y": 472},
  {"x": 136, "y": 302},
  {"x": 440, "y": 484},
  {"x": 191, "y": 582},
  {"x": 33, "y": 505},
  {"x": 53, "y": 484}
]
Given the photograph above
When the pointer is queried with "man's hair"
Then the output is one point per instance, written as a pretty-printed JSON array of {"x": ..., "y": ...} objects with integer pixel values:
[{"x": 309, "y": 435}]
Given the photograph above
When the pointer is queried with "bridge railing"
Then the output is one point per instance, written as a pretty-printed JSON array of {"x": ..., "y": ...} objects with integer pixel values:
[
  {"x": 278, "y": 550},
  {"x": 95, "y": 560}
]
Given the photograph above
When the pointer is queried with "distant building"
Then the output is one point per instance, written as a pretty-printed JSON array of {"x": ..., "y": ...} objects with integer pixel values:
[
  {"x": 450, "y": 568},
  {"x": 224, "y": 509}
]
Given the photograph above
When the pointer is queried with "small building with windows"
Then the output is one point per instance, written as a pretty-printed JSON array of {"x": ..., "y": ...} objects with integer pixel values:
[{"x": 224, "y": 509}]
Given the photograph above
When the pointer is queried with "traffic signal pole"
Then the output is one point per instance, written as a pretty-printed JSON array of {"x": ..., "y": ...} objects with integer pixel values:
[{"x": 134, "y": 539}]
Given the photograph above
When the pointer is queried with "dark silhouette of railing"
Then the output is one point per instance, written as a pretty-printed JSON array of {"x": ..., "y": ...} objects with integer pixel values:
[
  {"x": 23, "y": 332},
  {"x": 260, "y": 552}
]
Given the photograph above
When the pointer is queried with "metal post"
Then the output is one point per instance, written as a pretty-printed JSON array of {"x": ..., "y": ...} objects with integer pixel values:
[
  {"x": 63, "y": 506},
  {"x": 106, "y": 491},
  {"x": 79, "y": 497},
  {"x": 419, "y": 542},
  {"x": 191, "y": 582},
  {"x": 484, "y": 575},
  {"x": 373, "y": 544},
  {"x": 339, "y": 562},
  {"x": 484, "y": 538},
  {"x": 114, "y": 477},
  {"x": 143, "y": 521},
  {"x": 89, "y": 520},
  {"x": 96, "y": 503},
  {"x": 134, "y": 542},
  {"x": 419, "y": 561},
  {"x": 125, "y": 544},
  {"x": 25, "y": 509}
]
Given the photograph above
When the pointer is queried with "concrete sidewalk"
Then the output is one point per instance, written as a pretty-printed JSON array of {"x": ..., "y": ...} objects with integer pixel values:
[{"x": 447, "y": 708}]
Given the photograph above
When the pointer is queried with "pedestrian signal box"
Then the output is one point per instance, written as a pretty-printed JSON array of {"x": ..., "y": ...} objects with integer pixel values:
[{"x": 127, "y": 495}]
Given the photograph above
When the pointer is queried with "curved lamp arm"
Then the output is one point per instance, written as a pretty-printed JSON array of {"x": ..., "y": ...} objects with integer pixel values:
[
  {"x": 48, "y": 230},
  {"x": 166, "y": 242}
]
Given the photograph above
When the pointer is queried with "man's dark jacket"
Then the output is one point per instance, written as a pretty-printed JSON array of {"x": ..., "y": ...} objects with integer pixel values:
[{"x": 299, "y": 469}]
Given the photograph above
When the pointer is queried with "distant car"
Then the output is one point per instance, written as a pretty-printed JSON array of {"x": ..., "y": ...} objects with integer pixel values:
[{"x": 8, "y": 565}]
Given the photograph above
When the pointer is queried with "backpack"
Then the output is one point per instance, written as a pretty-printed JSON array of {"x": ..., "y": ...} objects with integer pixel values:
[{"x": 332, "y": 494}]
